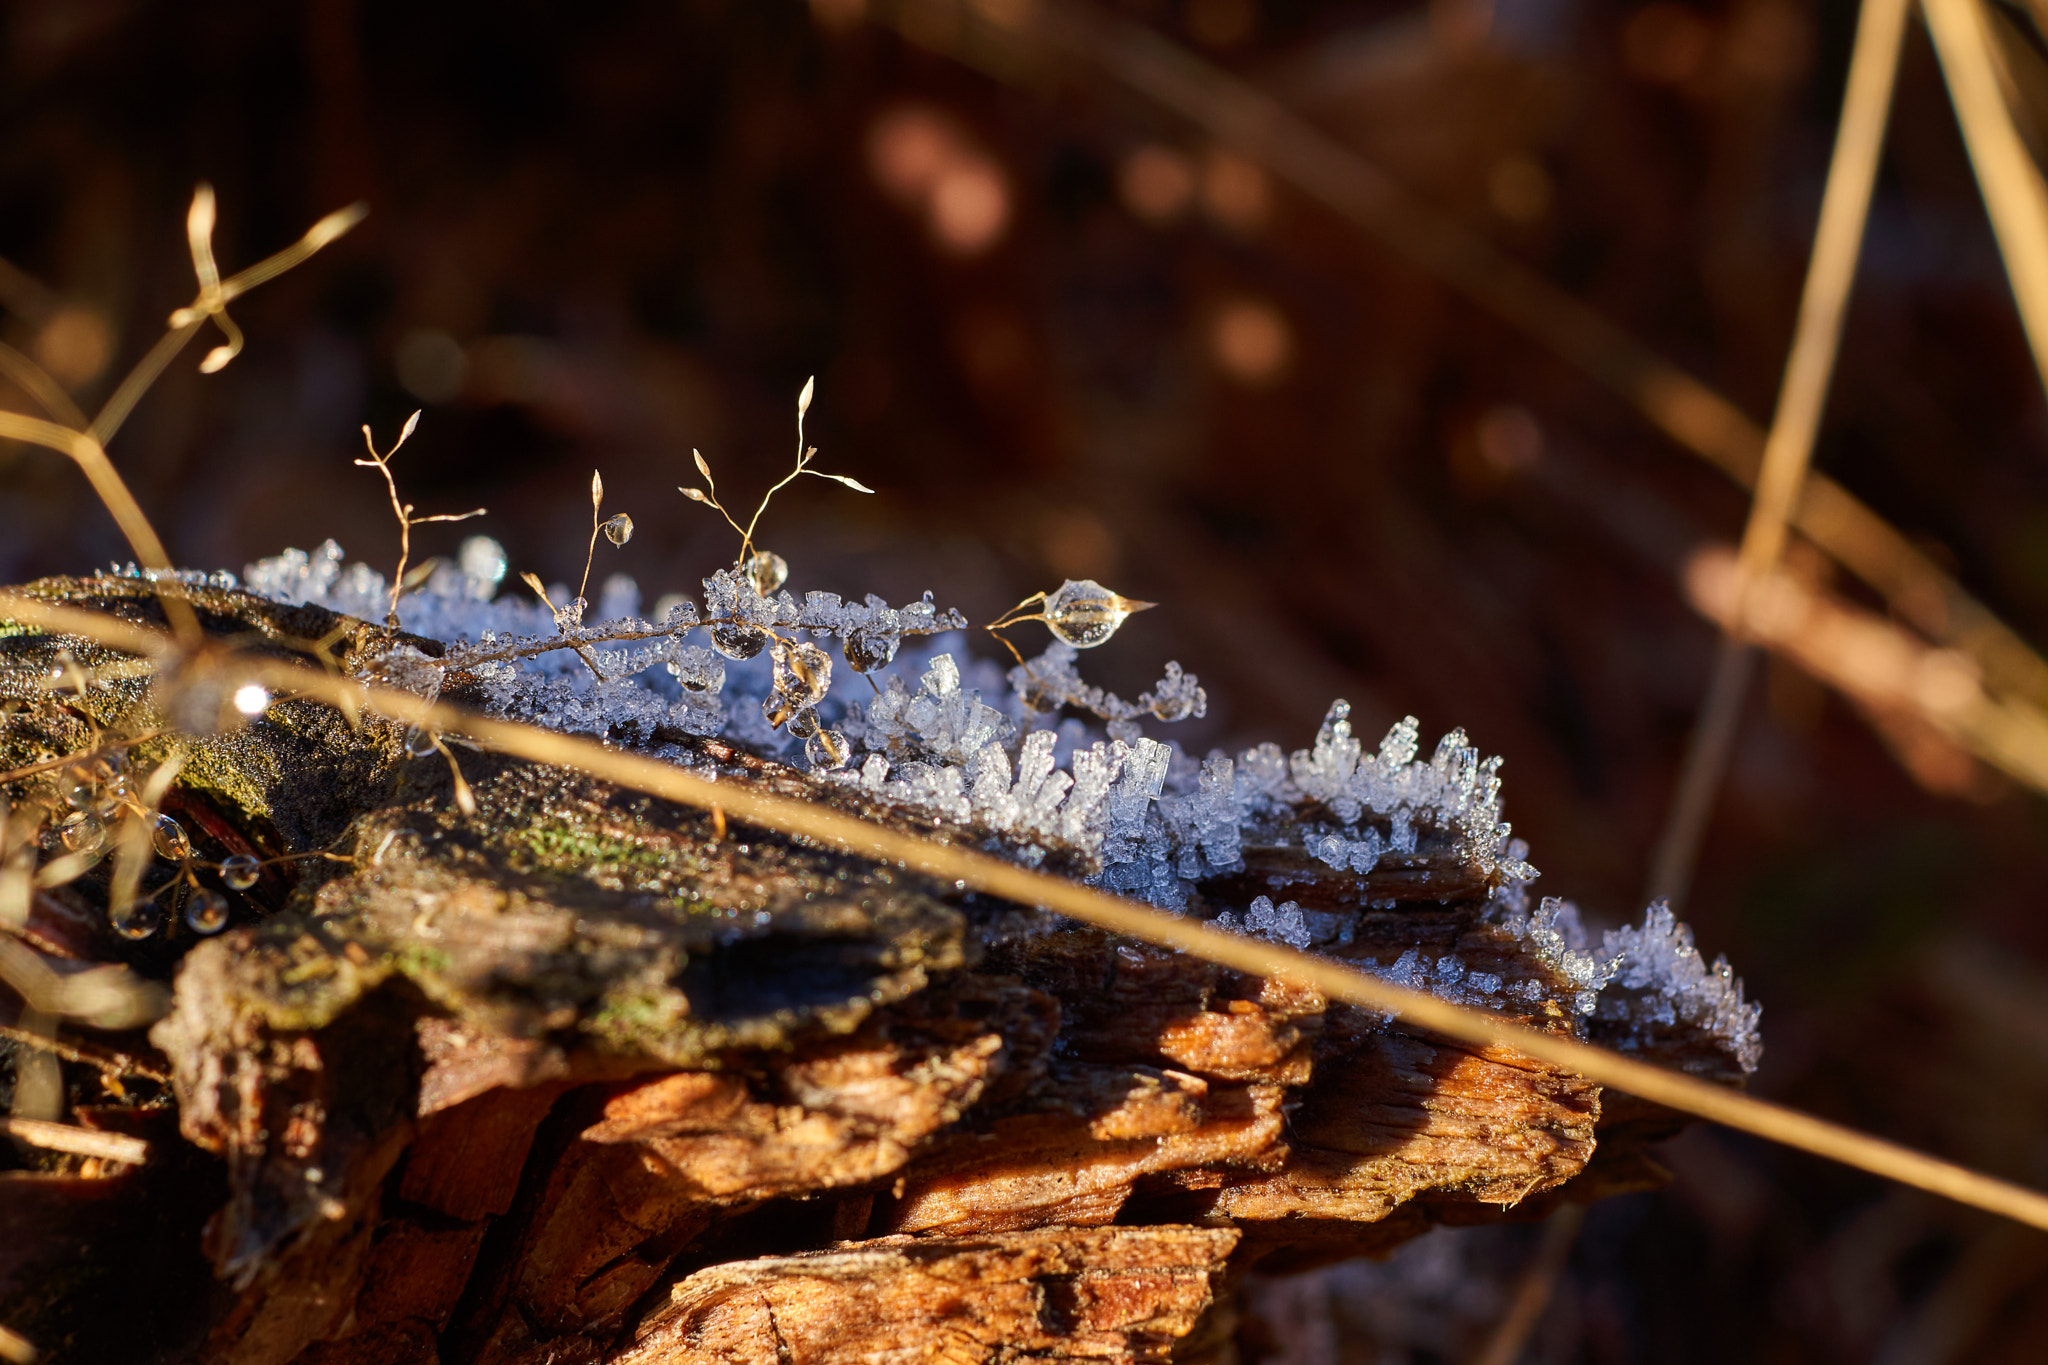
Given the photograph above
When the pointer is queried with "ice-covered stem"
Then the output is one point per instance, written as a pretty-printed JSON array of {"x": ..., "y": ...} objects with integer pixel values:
[{"x": 1049, "y": 682}]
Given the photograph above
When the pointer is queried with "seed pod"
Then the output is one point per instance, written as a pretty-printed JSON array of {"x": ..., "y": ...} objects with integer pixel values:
[{"x": 1083, "y": 613}]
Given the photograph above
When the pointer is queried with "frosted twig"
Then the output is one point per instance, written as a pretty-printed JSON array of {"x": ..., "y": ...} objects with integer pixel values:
[{"x": 532, "y": 580}]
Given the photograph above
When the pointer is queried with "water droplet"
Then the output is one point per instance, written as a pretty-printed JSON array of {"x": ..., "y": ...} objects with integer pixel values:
[
  {"x": 802, "y": 673},
  {"x": 81, "y": 796},
  {"x": 698, "y": 671},
  {"x": 170, "y": 839},
  {"x": 1083, "y": 613},
  {"x": 82, "y": 832},
  {"x": 767, "y": 571},
  {"x": 139, "y": 921},
  {"x": 240, "y": 872},
  {"x": 252, "y": 699},
  {"x": 619, "y": 529},
  {"x": 805, "y": 723},
  {"x": 120, "y": 788},
  {"x": 482, "y": 560},
  {"x": 206, "y": 911},
  {"x": 827, "y": 749},
  {"x": 868, "y": 649},
  {"x": 419, "y": 743},
  {"x": 737, "y": 641}
]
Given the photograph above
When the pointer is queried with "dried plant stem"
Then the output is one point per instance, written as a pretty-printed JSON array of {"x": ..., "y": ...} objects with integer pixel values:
[
  {"x": 62, "y": 1137},
  {"x": 87, "y": 446},
  {"x": 2014, "y": 196},
  {"x": 1005, "y": 39},
  {"x": 105, "y": 1059},
  {"x": 1534, "y": 1291},
  {"x": 33, "y": 380},
  {"x": 1788, "y": 451},
  {"x": 993, "y": 876}
]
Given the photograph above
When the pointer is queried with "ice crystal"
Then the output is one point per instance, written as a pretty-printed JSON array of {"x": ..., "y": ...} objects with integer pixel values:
[
  {"x": 1278, "y": 924},
  {"x": 962, "y": 741},
  {"x": 1667, "y": 983}
]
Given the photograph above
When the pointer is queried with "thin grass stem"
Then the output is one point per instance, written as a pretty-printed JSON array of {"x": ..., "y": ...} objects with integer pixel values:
[{"x": 1788, "y": 451}]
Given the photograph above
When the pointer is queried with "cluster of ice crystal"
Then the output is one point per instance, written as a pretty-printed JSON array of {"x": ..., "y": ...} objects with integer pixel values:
[
  {"x": 1050, "y": 682},
  {"x": 1282, "y": 923},
  {"x": 1446, "y": 976},
  {"x": 970, "y": 744},
  {"x": 1663, "y": 980}
]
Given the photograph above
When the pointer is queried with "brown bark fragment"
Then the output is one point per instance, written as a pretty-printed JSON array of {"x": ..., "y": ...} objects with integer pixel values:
[{"x": 1103, "y": 1294}]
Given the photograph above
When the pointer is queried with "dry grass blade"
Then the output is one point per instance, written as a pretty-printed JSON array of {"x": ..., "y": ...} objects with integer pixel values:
[
  {"x": 2006, "y": 174},
  {"x": 995, "y": 877},
  {"x": 1533, "y": 1292},
  {"x": 63, "y": 1137},
  {"x": 1003, "y": 38},
  {"x": 1872, "y": 661},
  {"x": 1824, "y": 298}
]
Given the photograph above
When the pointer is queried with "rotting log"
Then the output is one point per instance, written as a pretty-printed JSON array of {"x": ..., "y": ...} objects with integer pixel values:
[{"x": 586, "y": 1076}]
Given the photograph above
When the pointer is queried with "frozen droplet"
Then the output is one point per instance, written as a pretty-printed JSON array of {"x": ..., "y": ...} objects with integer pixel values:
[
  {"x": 82, "y": 832},
  {"x": 569, "y": 616},
  {"x": 619, "y": 529},
  {"x": 767, "y": 571},
  {"x": 138, "y": 921},
  {"x": 240, "y": 872},
  {"x": 206, "y": 911},
  {"x": 698, "y": 671},
  {"x": 419, "y": 743},
  {"x": 804, "y": 723},
  {"x": 170, "y": 840},
  {"x": 868, "y": 649},
  {"x": 738, "y": 641},
  {"x": 1083, "y": 613},
  {"x": 482, "y": 560},
  {"x": 802, "y": 672},
  {"x": 827, "y": 749},
  {"x": 252, "y": 699}
]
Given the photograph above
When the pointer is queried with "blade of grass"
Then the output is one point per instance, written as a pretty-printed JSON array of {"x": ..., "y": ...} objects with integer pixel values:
[
  {"x": 2014, "y": 196},
  {"x": 1788, "y": 451}
]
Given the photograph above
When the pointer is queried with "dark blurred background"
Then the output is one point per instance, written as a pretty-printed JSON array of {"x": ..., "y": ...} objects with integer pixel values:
[{"x": 1063, "y": 334}]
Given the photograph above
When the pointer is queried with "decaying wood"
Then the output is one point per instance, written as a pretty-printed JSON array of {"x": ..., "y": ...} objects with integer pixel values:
[{"x": 589, "y": 1077}]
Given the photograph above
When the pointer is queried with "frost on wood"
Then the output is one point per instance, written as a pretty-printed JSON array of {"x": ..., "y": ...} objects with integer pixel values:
[
  {"x": 988, "y": 749},
  {"x": 650, "y": 1088}
]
